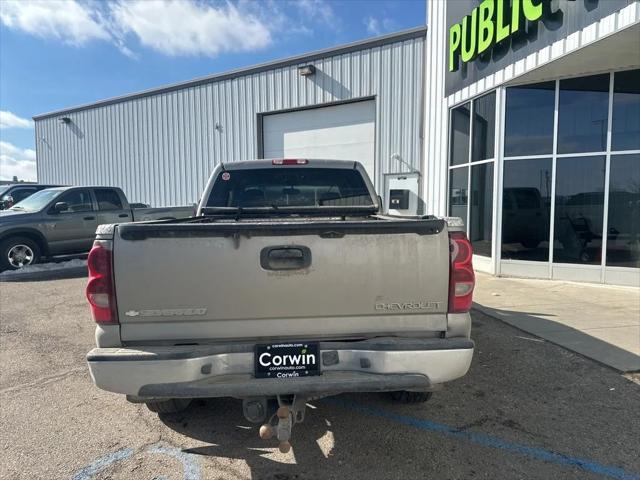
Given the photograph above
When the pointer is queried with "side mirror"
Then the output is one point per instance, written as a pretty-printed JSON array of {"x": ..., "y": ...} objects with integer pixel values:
[{"x": 60, "y": 207}]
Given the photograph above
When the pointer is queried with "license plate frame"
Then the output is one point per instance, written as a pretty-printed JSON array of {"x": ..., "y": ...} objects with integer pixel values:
[{"x": 287, "y": 360}]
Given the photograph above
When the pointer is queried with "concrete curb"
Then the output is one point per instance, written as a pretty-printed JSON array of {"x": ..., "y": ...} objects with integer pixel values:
[{"x": 574, "y": 340}]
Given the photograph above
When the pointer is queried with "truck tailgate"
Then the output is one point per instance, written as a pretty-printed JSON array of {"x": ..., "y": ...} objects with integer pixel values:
[{"x": 210, "y": 282}]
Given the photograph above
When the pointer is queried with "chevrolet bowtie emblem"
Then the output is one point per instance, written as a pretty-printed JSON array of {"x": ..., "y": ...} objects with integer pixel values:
[{"x": 167, "y": 312}]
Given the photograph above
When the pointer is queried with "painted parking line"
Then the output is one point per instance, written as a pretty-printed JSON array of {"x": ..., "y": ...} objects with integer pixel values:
[
  {"x": 101, "y": 463},
  {"x": 488, "y": 441},
  {"x": 190, "y": 466}
]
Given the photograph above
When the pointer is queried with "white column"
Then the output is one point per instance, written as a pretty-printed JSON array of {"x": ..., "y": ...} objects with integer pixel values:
[{"x": 435, "y": 111}]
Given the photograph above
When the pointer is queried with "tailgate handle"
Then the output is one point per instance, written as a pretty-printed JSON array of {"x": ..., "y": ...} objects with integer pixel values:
[{"x": 285, "y": 257}]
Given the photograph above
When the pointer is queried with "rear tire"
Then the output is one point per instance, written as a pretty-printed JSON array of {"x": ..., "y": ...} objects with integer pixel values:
[
  {"x": 173, "y": 405},
  {"x": 18, "y": 252},
  {"x": 410, "y": 398}
]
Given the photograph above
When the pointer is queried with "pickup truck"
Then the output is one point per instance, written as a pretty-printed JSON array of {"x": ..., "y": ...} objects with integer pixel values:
[
  {"x": 289, "y": 284},
  {"x": 63, "y": 220}
]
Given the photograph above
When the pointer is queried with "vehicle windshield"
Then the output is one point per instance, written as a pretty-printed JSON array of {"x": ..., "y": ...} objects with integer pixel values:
[
  {"x": 4, "y": 189},
  {"x": 290, "y": 187},
  {"x": 37, "y": 201}
]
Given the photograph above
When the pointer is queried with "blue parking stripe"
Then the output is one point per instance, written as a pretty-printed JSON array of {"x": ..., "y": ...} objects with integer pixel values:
[
  {"x": 488, "y": 441},
  {"x": 88, "y": 472}
]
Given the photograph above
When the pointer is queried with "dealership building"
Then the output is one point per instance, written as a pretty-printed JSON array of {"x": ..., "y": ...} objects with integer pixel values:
[{"x": 520, "y": 116}]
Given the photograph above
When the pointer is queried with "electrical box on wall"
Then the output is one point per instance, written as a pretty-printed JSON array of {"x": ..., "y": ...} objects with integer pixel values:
[
  {"x": 401, "y": 194},
  {"x": 398, "y": 199}
]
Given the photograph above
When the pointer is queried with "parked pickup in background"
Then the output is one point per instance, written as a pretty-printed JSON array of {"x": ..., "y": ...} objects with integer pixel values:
[
  {"x": 63, "y": 220},
  {"x": 16, "y": 192},
  {"x": 290, "y": 284}
]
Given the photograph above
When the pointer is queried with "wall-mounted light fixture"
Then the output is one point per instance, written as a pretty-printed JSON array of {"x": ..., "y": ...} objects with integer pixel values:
[
  {"x": 396, "y": 157},
  {"x": 306, "y": 70},
  {"x": 64, "y": 120}
]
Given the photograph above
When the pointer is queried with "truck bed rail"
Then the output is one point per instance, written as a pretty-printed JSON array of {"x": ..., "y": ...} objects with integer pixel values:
[{"x": 324, "y": 229}]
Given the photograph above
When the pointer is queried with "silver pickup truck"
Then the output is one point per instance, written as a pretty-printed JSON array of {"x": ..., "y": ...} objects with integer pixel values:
[
  {"x": 288, "y": 285},
  {"x": 63, "y": 220}
]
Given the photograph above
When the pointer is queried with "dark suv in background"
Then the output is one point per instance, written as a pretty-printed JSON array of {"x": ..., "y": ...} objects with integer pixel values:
[{"x": 12, "y": 194}]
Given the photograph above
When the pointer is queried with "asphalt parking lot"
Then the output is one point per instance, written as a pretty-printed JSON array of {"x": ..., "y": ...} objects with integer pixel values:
[{"x": 527, "y": 409}]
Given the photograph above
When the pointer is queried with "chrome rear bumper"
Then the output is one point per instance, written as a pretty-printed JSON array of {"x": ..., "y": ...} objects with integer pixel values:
[{"x": 381, "y": 364}]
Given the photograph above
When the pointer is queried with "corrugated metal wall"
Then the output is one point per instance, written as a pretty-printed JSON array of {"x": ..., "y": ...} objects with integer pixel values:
[
  {"x": 161, "y": 148},
  {"x": 436, "y": 111}
]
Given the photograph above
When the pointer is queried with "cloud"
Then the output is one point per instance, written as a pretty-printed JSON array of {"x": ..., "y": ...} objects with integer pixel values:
[
  {"x": 66, "y": 20},
  {"x": 11, "y": 120},
  {"x": 15, "y": 161},
  {"x": 281, "y": 20},
  {"x": 171, "y": 27},
  {"x": 376, "y": 26},
  {"x": 373, "y": 25},
  {"x": 185, "y": 27},
  {"x": 318, "y": 10}
]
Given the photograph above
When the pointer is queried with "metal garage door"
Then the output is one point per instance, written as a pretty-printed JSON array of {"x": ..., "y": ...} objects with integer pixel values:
[{"x": 341, "y": 132}]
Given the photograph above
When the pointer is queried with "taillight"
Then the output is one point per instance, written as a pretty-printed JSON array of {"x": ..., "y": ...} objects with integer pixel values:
[
  {"x": 100, "y": 290},
  {"x": 289, "y": 161},
  {"x": 461, "y": 279}
]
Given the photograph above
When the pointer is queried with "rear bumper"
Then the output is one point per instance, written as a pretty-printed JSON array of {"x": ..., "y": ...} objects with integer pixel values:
[{"x": 382, "y": 364}]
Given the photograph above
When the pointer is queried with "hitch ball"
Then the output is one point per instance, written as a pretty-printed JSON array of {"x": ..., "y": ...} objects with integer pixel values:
[
  {"x": 284, "y": 447},
  {"x": 266, "y": 431}
]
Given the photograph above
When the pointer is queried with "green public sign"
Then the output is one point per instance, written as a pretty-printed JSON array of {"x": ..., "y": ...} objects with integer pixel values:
[{"x": 489, "y": 23}]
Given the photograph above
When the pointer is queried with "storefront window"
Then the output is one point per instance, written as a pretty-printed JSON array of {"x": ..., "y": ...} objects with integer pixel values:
[
  {"x": 623, "y": 240},
  {"x": 579, "y": 209},
  {"x": 526, "y": 208},
  {"x": 479, "y": 138},
  {"x": 529, "y": 120},
  {"x": 460, "y": 134},
  {"x": 626, "y": 111},
  {"x": 570, "y": 180},
  {"x": 481, "y": 220},
  {"x": 582, "y": 114},
  {"x": 484, "y": 127},
  {"x": 458, "y": 181}
]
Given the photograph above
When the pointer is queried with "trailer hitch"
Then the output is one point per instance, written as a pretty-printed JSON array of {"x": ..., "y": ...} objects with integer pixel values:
[{"x": 289, "y": 413}]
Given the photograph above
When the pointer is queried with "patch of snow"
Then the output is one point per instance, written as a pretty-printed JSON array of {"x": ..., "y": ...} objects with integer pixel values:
[{"x": 46, "y": 267}]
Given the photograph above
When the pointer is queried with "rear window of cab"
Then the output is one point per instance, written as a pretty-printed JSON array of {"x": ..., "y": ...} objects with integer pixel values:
[{"x": 284, "y": 187}]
